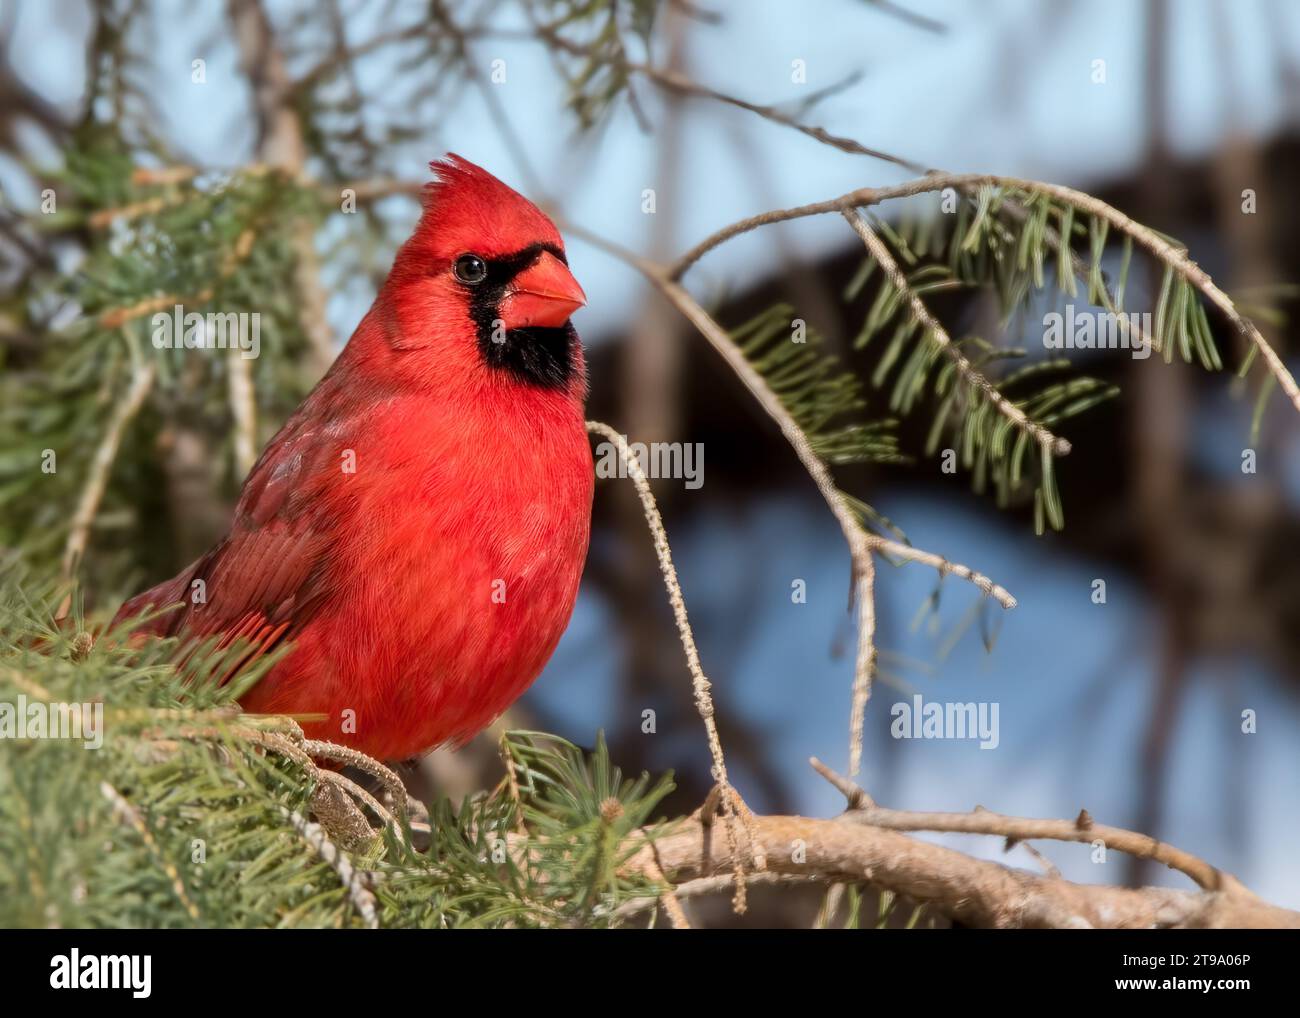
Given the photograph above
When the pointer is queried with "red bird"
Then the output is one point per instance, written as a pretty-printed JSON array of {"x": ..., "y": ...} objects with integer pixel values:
[{"x": 419, "y": 526}]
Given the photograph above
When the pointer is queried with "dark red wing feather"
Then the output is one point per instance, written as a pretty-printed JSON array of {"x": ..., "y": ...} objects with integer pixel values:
[{"x": 269, "y": 573}]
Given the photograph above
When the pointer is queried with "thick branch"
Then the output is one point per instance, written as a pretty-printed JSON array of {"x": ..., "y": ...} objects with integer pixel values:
[{"x": 973, "y": 891}]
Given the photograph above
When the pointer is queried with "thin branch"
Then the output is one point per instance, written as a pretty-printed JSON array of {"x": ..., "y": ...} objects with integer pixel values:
[
  {"x": 854, "y": 534},
  {"x": 703, "y": 697},
  {"x": 681, "y": 84},
  {"x": 1048, "y": 866},
  {"x": 1082, "y": 829},
  {"x": 865, "y": 664},
  {"x": 700, "y": 681},
  {"x": 945, "y": 567},
  {"x": 911, "y": 17},
  {"x": 341, "y": 57},
  {"x": 243, "y": 410},
  {"x": 101, "y": 465},
  {"x": 668, "y": 898},
  {"x": 719, "y": 884},
  {"x": 863, "y": 196}
]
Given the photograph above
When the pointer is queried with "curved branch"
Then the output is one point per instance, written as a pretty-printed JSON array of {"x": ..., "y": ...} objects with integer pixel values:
[
  {"x": 854, "y": 534},
  {"x": 945, "y": 567},
  {"x": 703, "y": 697},
  {"x": 859, "y": 540},
  {"x": 1170, "y": 254},
  {"x": 973, "y": 891},
  {"x": 1082, "y": 829}
]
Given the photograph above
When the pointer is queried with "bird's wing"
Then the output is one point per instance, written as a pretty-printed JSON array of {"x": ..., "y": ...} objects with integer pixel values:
[{"x": 270, "y": 572}]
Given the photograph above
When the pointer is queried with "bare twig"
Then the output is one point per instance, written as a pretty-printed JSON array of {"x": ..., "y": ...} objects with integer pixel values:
[
  {"x": 982, "y": 821},
  {"x": 718, "y": 884},
  {"x": 1048, "y": 866},
  {"x": 681, "y": 84},
  {"x": 907, "y": 553},
  {"x": 703, "y": 698},
  {"x": 865, "y": 591},
  {"x": 668, "y": 898},
  {"x": 101, "y": 465},
  {"x": 243, "y": 410},
  {"x": 854, "y": 534}
]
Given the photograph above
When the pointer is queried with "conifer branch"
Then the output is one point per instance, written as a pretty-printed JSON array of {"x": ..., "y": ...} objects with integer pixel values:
[
  {"x": 1167, "y": 253},
  {"x": 939, "y": 335},
  {"x": 856, "y": 536},
  {"x": 363, "y": 900},
  {"x": 114, "y": 318},
  {"x": 122, "y": 808}
]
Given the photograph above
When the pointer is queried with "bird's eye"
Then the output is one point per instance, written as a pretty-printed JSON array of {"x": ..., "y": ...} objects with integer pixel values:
[{"x": 471, "y": 269}]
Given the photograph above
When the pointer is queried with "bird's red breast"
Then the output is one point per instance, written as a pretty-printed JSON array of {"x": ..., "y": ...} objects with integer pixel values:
[{"x": 418, "y": 527}]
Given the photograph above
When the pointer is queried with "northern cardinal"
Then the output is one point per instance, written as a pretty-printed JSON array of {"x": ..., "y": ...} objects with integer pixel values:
[{"x": 419, "y": 526}]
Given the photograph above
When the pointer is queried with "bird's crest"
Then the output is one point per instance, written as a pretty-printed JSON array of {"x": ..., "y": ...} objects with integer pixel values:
[{"x": 467, "y": 208}]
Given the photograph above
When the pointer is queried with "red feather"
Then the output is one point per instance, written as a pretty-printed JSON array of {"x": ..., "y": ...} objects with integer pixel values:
[{"x": 424, "y": 591}]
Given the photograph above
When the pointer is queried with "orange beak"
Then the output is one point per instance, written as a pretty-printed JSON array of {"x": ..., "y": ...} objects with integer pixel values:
[{"x": 544, "y": 294}]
